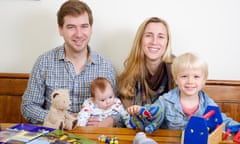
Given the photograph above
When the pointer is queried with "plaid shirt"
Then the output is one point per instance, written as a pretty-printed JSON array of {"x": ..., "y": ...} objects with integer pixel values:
[{"x": 52, "y": 71}]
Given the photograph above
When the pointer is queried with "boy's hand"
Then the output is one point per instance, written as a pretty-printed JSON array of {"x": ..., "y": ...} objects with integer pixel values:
[{"x": 133, "y": 109}]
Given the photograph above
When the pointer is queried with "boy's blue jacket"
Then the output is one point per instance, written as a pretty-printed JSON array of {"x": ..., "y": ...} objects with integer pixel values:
[{"x": 173, "y": 116}]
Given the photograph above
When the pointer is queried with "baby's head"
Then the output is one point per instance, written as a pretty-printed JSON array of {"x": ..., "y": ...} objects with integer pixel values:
[{"x": 102, "y": 93}]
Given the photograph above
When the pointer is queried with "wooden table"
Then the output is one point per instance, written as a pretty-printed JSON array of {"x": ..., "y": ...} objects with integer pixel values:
[{"x": 125, "y": 135}]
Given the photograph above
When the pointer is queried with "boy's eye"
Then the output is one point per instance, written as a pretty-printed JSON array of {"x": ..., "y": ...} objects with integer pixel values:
[
  {"x": 111, "y": 97},
  {"x": 102, "y": 100},
  {"x": 196, "y": 76}
]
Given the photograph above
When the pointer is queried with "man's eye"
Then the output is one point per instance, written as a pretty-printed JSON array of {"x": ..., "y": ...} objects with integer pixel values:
[
  {"x": 161, "y": 36},
  {"x": 85, "y": 26},
  {"x": 69, "y": 27}
]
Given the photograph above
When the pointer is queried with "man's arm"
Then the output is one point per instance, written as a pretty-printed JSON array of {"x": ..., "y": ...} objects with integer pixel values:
[{"x": 33, "y": 98}]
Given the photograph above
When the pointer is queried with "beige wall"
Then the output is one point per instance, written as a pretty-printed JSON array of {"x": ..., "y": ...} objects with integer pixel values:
[{"x": 208, "y": 27}]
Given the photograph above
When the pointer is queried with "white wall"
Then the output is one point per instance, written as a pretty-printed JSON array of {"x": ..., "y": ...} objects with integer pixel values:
[{"x": 208, "y": 27}]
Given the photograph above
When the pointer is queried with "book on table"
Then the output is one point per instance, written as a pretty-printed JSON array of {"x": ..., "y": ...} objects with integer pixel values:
[
  {"x": 61, "y": 137},
  {"x": 23, "y": 133},
  {"x": 33, "y": 134}
]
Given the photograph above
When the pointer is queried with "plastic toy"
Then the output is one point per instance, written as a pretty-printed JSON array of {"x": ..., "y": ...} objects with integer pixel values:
[
  {"x": 141, "y": 138},
  {"x": 233, "y": 129},
  {"x": 147, "y": 118},
  {"x": 236, "y": 138},
  {"x": 227, "y": 133},
  {"x": 107, "y": 140},
  {"x": 207, "y": 129}
]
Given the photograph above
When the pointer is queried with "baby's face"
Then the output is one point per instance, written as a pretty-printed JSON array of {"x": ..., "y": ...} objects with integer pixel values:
[{"x": 104, "y": 99}]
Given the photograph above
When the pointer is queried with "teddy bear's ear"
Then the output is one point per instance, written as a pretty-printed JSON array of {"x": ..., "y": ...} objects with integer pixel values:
[{"x": 54, "y": 95}]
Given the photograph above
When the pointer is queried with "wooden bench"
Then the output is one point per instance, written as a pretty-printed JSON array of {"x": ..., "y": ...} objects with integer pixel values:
[{"x": 12, "y": 86}]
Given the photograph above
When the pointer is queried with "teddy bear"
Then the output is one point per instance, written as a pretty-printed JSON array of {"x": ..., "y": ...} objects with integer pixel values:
[
  {"x": 147, "y": 119},
  {"x": 58, "y": 117}
]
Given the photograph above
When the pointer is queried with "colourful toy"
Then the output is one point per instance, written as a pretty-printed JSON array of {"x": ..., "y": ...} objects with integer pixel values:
[
  {"x": 107, "y": 140},
  {"x": 236, "y": 138},
  {"x": 147, "y": 118},
  {"x": 205, "y": 130},
  {"x": 227, "y": 133},
  {"x": 234, "y": 129}
]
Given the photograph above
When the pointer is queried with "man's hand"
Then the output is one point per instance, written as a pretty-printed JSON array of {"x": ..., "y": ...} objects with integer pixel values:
[
  {"x": 93, "y": 122},
  {"x": 108, "y": 122}
]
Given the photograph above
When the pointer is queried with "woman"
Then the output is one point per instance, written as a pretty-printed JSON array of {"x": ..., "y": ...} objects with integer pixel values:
[{"x": 147, "y": 72}]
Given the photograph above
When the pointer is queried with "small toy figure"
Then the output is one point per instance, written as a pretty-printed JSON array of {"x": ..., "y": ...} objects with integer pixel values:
[{"x": 107, "y": 140}]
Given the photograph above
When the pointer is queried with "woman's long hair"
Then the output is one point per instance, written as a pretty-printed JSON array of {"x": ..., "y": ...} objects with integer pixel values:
[{"x": 134, "y": 65}]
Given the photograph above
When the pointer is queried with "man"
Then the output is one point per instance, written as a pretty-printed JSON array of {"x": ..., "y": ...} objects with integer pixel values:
[{"x": 71, "y": 66}]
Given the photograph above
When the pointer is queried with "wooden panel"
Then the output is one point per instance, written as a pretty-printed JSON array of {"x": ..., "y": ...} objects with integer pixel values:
[
  {"x": 12, "y": 87},
  {"x": 10, "y": 109},
  {"x": 227, "y": 96},
  {"x": 232, "y": 110},
  {"x": 223, "y": 93}
]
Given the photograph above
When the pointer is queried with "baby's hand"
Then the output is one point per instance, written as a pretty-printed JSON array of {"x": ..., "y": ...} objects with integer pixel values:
[{"x": 133, "y": 109}]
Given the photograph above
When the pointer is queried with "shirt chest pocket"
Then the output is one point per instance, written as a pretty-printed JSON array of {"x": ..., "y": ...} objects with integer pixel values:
[{"x": 54, "y": 83}]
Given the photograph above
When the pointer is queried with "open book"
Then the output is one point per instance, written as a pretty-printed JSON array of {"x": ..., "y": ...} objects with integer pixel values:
[
  {"x": 59, "y": 136},
  {"x": 23, "y": 133}
]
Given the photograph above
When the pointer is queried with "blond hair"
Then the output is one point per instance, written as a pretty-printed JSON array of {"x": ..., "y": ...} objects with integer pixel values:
[
  {"x": 189, "y": 61},
  {"x": 135, "y": 68}
]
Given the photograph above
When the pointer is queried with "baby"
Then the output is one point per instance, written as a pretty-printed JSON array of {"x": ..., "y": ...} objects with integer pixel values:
[{"x": 102, "y": 103}]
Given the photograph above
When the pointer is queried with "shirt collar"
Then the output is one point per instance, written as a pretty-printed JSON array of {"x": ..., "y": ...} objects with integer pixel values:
[{"x": 92, "y": 58}]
